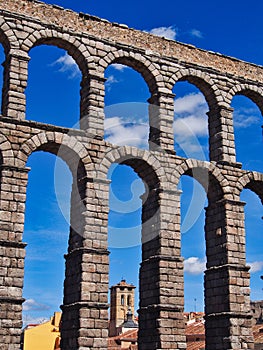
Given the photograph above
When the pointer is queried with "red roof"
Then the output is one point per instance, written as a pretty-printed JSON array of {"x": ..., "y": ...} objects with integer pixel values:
[
  {"x": 195, "y": 336},
  {"x": 196, "y": 345},
  {"x": 195, "y": 330},
  {"x": 114, "y": 343}
]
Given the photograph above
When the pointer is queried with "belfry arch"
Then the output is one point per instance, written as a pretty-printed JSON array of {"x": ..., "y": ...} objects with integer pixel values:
[{"x": 94, "y": 44}]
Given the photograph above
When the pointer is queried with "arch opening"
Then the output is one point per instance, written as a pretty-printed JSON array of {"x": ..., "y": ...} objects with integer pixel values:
[
  {"x": 191, "y": 121},
  {"x": 46, "y": 233},
  {"x": 248, "y": 126},
  {"x": 202, "y": 217},
  {"x": 124, "y": 230},
  {"x": 126, "y": 106},
  {"x": 252, "y": 239},
  {"x": 129, "y": 238},
  {"x": 62, "y": 201},
  {"x": 193, "y": 243},
  {"x": 2, "y": 88},
  {"x": 53, "y": 91}
]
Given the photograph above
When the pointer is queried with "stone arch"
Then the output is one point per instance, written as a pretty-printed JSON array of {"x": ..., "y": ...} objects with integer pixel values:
[
  {"x": 10, "y": 44},
  {"x": 6, "y": 151},
  {"x": 73, "y": 46},
  {"x": 75, "y": 155},
  {"x": 251, "y": 223},
  {"x": 151, "y": 75},
  {"x": 130, "y": 156},
  {"x": 7, "y": 37},
  {"x": 252, "y": 181},
  {"x": 208, "y": 175},
  {"x": 66, "y": 147},
  {"x": 253, "y": 92},
  {"x": 149, "y": 169},
  {"x": 160, "y": 119},
  {"x": 80, "y": 53},
  {"x": 202, "y": 81}
]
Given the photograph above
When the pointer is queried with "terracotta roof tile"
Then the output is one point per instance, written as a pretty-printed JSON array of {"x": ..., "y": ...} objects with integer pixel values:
[
  {"x": 195, "y": 334},
  {"x": 196, "y": 328},
  {"x": 196, "y": 345}
]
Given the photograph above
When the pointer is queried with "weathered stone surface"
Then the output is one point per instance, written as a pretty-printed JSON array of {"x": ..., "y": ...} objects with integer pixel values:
[{"x": 94, "y": 44}]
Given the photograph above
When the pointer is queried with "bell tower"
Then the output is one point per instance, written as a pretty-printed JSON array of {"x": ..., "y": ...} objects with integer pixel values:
[{"x": 121, "y": 302}]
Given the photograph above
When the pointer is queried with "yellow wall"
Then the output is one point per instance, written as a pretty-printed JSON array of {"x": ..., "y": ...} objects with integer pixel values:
[{"x": 43, "y": 336}]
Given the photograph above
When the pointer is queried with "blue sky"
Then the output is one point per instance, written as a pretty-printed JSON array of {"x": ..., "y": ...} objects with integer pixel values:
[{"x": 232, "y": 28}]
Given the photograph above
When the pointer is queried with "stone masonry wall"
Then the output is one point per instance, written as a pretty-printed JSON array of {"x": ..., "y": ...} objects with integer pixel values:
[{"x": 94, "y": 44}]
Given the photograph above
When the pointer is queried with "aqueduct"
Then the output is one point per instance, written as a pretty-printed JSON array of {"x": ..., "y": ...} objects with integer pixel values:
[{"x": 94, "y": 44}]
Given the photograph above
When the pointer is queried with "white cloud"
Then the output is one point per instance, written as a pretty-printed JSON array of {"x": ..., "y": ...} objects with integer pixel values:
[
  {"x": 189, "y": 103},
  {"x": 190, "y": 116},
  {"x": 244, "y": 118},
  {"x": 67, "y": 64},
  {"x": 123, "y": 132},
  {"x": 256, "y": 266},
  {"x": 191, "y": 125},
  {"x": 196, "y": 33},
  {"x": 110, "y": 81},
  {"x": 118, "y": 66},
  {"x": 112, "y": 123},
  {"x": 194, "y": 265},
  {"x": 31, "y": 304},
  {"x": 166, "y": 32}
]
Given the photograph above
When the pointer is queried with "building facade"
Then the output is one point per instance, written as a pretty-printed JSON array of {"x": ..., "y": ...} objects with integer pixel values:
[{"x": 44, "y": 336}]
